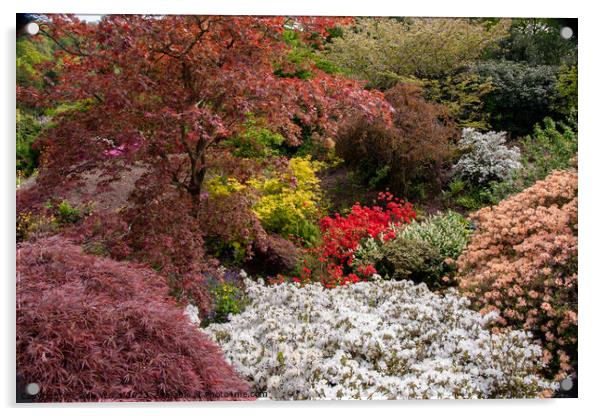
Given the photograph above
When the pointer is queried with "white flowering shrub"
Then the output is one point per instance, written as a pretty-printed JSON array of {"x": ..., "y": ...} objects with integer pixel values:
[
  {"x": 375, "y": 340},
  {"x": 487, "y": 157},
  {"x": 192, "y": 312}
]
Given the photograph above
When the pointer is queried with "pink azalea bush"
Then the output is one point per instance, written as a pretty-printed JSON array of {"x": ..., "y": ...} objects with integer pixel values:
[{"x": 522, "y": 262}]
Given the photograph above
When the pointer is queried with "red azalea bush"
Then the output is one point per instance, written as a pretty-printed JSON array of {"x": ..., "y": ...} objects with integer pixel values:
[
  {"x": 90, "y": 328},
  {"x": 341, "y": 236},
  {"x": 522, "y": 262}
]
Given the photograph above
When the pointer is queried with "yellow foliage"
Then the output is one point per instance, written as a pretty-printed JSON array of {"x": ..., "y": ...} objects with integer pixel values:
[
  {"x": 31, "y": 225},
  {"x": 222, "y": 186},
  {"x": 290, "y": 204}
]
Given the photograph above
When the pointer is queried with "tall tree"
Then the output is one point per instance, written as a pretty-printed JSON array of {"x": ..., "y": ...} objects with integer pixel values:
[{"x": 163, "y": 90}]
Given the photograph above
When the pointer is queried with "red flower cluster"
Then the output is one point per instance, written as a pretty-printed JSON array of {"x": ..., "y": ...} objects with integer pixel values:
[{"x": 341, "y": 236}]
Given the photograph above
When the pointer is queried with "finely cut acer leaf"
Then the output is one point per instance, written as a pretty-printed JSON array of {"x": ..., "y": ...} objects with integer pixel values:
[{"x": 93, "y": 329}]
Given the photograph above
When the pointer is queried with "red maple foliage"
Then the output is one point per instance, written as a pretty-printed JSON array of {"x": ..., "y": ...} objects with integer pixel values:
[
  {"x": 90, "y": 328},
  {"x": 163, "y": 90}
]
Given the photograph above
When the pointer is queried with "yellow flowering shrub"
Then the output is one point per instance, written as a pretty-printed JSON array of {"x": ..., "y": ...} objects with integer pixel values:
[
  {"x": 290, "y": 204},
  {"x": 31, "y": 225}
]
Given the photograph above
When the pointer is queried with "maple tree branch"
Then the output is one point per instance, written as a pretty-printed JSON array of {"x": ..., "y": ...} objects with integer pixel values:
[
  {"x": 165, "y": 50},
  {"x": 79, "y": 52},
  {"x": 185, "y": 144}
]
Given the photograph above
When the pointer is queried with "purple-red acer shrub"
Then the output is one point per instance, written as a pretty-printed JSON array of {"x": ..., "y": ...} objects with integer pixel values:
[{"x": 93, "y": 329}]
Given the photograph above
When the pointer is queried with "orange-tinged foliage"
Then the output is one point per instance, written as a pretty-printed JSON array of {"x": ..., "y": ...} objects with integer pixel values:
[{"x": 522, "y": 261}]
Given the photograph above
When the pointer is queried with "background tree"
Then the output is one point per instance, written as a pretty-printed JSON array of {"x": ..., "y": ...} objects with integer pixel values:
[
  {"x": 387, "y": 50},
  {"x": 432, "y": 52},
  {"x": 30, "y": 54},
  {"x": 539, "y": 42},
  {"x": 522, "y": 95}
]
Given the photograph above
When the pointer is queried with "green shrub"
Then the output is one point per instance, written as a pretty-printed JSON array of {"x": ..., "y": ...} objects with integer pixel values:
[
  {"x": 301, "y": 58},
  {"x": 537, "y": 41},
  {"x": 227, "y": 299},
  {"x": 467, "y": 196},
  {"x": 400, "y": 258},
  {"x": 448, "y": 232},
  {"x": 567, "y": 86},
  {"x": 419, "y": 251},
  {"x": 30, "y": 53},
  {"x": 256, "y": 141},
  {"x": 70, "y": 107},
  {"x": 463, "y": 94},
  {"x": 551, "y": 146},
  {"x": 471, "y": 201},
  {"x": 68, "y": 214},
  {"x": 379, "y": 177},
  {"x": 385, "y": 51},
  {"x": 523, "y": 94},
  {"x": 28, "y": 130}
]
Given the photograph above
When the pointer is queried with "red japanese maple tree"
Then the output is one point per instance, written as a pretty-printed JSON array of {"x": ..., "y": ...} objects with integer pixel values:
[{"x": 163, "y": 90}]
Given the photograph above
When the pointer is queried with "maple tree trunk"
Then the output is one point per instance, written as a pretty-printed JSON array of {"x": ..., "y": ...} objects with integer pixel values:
[
  {"x": 196, "y": 181},
  {"x": 197, "y": 175}
]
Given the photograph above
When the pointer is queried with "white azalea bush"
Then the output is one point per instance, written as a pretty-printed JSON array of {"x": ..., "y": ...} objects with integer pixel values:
[
  {"x": 487, "y": 157},
  {"x": 375, "y": 340}
]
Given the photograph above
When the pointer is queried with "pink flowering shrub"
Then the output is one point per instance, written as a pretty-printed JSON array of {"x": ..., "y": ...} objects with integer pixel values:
[
  {"x": 90, "y": 328},
  {"x": 522, "y": 261}
]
